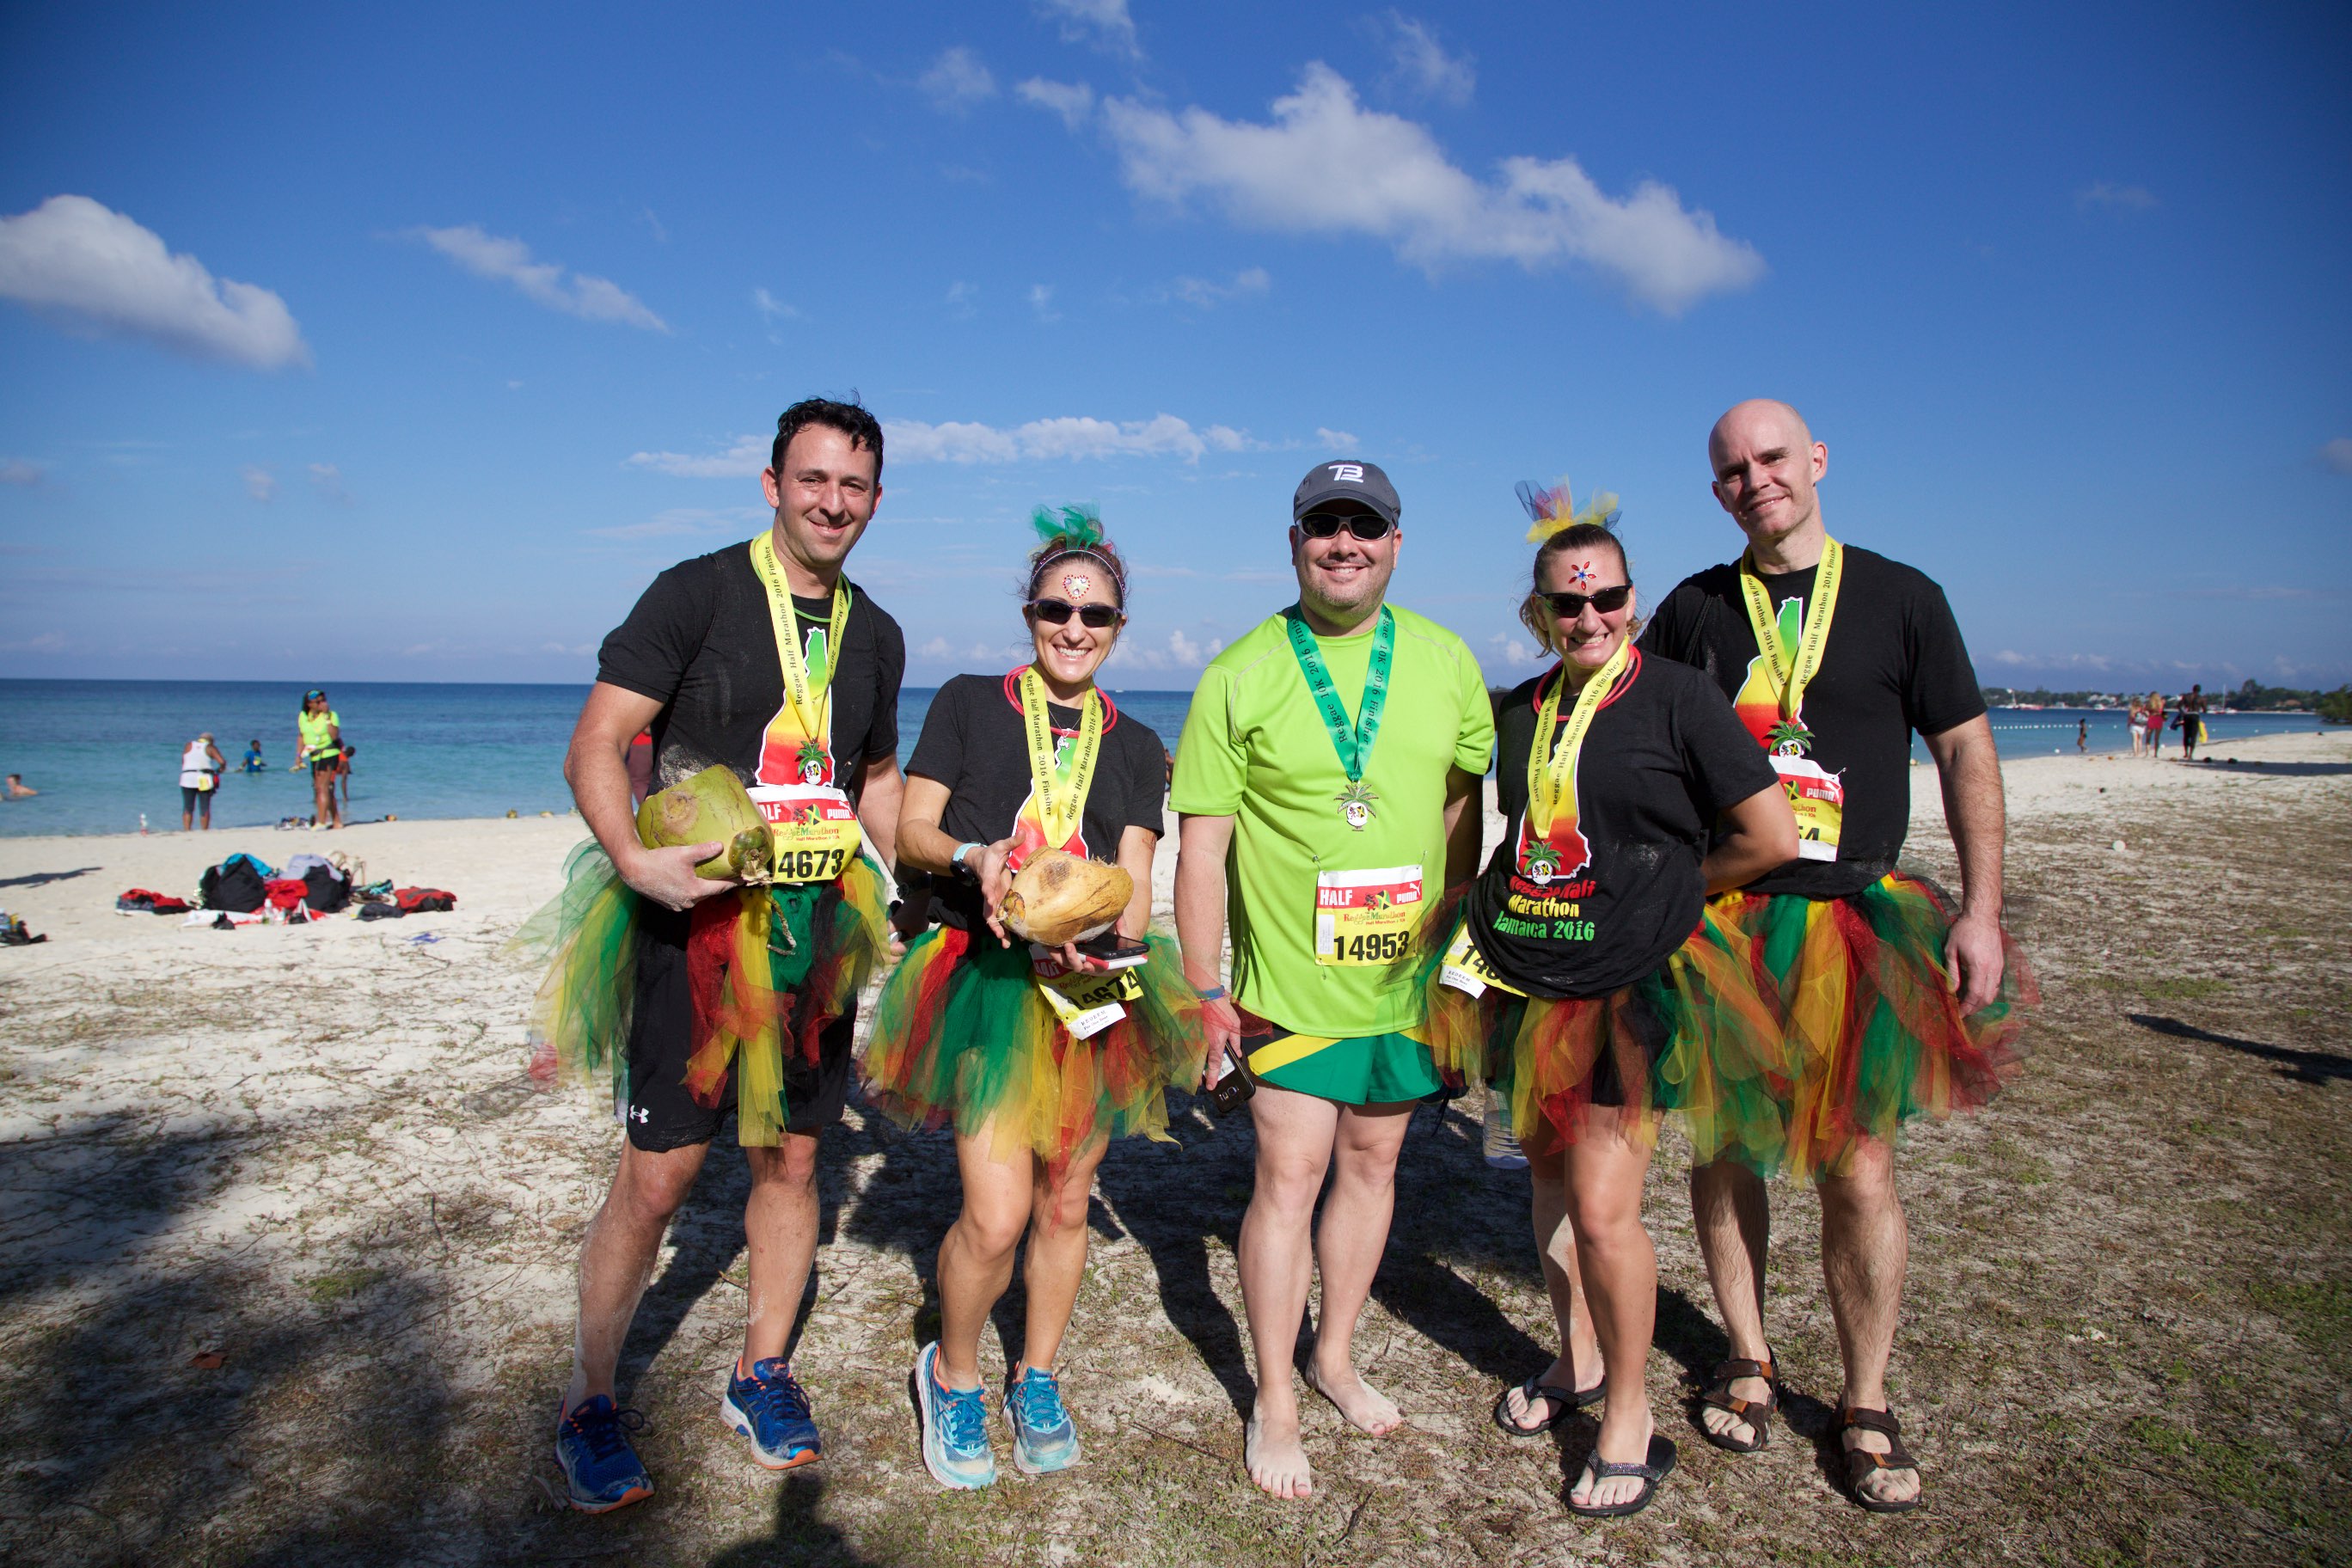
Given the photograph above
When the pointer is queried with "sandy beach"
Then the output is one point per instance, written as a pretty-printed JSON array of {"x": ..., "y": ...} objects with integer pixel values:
[{"x": 291, "y": 1238}]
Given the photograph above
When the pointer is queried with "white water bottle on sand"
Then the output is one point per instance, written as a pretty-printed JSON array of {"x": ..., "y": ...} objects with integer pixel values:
[{"x": 1500, "y": 1147}]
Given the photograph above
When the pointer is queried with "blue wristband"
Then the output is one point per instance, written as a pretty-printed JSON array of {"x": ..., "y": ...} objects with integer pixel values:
[
  {"x": 958, "y": 862},
  {"x": 1213, "y": 994}
]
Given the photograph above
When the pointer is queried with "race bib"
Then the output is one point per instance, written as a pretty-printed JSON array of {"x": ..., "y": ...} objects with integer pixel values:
[
  {"x": 1467, "y": 969},
  {"x": 815, "y": 830},
  {"x": 1366, "y": 918},
  {"x": 1085, "y": 1003},
  {"x": 1819, "y": 800}
]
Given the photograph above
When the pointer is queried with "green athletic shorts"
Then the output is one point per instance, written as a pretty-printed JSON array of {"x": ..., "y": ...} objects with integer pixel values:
[{"x": 1361, "y": 1069}]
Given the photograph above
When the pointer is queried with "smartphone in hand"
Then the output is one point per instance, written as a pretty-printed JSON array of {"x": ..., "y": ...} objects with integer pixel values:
[{"x": 1232, "y": 1084}]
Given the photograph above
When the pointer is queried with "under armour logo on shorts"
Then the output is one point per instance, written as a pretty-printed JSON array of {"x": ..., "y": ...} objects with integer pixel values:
[{"x": 637, "y": 1114}]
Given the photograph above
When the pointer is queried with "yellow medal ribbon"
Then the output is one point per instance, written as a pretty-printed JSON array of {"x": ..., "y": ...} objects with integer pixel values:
[
  {"x": 807, "y": 694},
  {"x": 1060, "y": 800},
  {"x": 1793, "y": 680},
  {"x": 1550, "y": 777}
]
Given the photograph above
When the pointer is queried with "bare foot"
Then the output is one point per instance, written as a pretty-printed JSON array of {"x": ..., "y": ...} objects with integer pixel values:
[
  {"x": 1366, "y": 1407},
  {"x": 1589, "y": 1493},
  {"x": 1275, "y": 1459}
]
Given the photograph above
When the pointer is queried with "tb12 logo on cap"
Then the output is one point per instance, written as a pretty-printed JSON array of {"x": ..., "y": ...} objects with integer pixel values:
[{"x": 1347, "y": 473}]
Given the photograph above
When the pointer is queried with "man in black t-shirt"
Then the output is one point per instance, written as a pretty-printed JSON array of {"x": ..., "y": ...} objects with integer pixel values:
[
  {"x": 1832, "y": 656},
  {"x": 700, "y": 661}
]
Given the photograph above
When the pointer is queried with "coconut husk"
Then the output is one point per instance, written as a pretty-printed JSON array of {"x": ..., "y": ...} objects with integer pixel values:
[
  {"x": 711, "y": 805},
  {"x": 1058, "y": 898}
]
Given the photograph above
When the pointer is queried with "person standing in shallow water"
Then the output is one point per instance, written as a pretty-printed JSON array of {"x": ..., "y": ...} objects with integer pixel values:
[
  {"x": 1902, "y": 1003},
  {"x": 1038, "y": 1057},
  {"x": 1327, "y": 783}
]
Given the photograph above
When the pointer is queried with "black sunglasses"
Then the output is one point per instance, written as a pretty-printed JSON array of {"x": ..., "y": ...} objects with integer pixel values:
[
  {"x": 1057, "y": 612},
  {"x": 1608, "y": 601},
  {"x": 1327, "y": 524}
]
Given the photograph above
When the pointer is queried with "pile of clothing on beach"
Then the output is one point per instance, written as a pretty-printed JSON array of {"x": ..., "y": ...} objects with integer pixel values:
[{"x": 245, "y": 890}]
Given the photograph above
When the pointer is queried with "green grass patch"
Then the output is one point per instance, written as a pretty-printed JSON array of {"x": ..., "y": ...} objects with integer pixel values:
[{"x": 341, "y": 1285}]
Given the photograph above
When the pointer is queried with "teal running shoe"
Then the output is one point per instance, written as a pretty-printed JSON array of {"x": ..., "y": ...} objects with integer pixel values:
[
  {"x": 773, "y": 1410},
  {"x": 1045, "y": 1438},
  {"x": 600, "y": 1468},
  {"x": 955, "y": 1427}
]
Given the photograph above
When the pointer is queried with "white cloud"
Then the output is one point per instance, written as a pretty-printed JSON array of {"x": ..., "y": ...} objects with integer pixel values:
[
  {"x": 956, "y": 82},
  {"x": 19, "y": 471},
  {"x": 2115, "y": 198},
  {"x": 260, "y": 483},
  {"x": 327, "y": 480},
  {"x": 748, "y": 457},
  {"x": 661, "y": 235},
  {"x": 1041, "y": 300},
  {"x": 1328, "y": 165},
  {"x": 96, "y": 270},
  {"x": 1046, "y": 440},
  {"x": 1201, "y": 291},
  {"x": 771, "y": 309},
  {"x": 1336, "y": 440},
  {"x": 509, "y": 260},
  {"x": 1512, "y": 651},
  {"x": 1420, "y": 65},
  {"x": 2011, "y": 657},
  {"x": 2337, "y": 454},
  {"x": 961, "y": 296},
  {"x": 935, "y": 648},
  {"x": 1179, "y": 653},
  {"x": 1073, "y": 101},
  {"x": 40, "y": 642},
  {"x": 1102, "y": 23}
]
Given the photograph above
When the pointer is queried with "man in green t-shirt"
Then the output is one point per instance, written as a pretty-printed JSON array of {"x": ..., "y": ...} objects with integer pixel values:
[{"x": 1327, "y": 785}]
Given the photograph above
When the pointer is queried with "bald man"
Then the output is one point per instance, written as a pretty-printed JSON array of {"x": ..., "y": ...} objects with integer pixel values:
[{"x": 1898, "y": 1002}]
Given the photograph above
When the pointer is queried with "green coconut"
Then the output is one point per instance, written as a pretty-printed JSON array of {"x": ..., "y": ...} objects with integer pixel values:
[{"x": 711, "y": 806}]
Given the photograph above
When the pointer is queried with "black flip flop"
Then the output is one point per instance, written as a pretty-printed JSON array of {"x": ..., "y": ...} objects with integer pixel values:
[
  {"x": 1661, "y": 1465},
  {"x": 1567, "y": 1403}
]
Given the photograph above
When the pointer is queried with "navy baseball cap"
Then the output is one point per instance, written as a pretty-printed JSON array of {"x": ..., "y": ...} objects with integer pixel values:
[{"x": 1348, "y": 479}]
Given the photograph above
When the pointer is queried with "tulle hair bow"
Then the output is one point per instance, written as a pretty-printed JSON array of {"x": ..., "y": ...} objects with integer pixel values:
[
  {"x": 1550, "y": 508},
  {"x": 1079, "y": 526}
]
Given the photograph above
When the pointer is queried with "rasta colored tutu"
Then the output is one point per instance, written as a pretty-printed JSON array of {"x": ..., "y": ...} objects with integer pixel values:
[
  {"x": 963, "y": 1035},
  {"x": 1692, "y": 1038},
  {"x": 768, "y": 968},
  {"x": 1859, "y": 984},
  {"x": 587, "y": 935}
]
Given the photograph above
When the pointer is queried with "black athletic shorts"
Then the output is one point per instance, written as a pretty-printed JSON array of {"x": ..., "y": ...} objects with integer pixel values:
[{"x": 660, "y": 1114}]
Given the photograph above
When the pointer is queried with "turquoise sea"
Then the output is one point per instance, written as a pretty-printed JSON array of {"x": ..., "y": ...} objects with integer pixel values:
[{"x": 104, "y": 753}]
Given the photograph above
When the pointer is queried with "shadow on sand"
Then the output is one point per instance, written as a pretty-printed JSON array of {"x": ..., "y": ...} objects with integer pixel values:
[{"x": 2303, "y": 1067}]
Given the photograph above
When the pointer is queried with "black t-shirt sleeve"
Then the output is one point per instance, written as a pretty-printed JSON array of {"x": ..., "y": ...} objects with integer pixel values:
[
  {"x": 890, "y": 658},
  {"x": 1941, "y": 690},
  {"x": 648, "y": 652},
  {"x": 1721, "y": 759},
  {"x": 1147, "y": 779},
  {"x": 941, "y": 750},
  {"x": 1673, "y": 631}
]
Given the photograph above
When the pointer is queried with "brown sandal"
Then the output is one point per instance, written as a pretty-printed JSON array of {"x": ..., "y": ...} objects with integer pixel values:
[
  {"x": 1860, "y": 1464},
  {"x": 1757, "y": 1413}
]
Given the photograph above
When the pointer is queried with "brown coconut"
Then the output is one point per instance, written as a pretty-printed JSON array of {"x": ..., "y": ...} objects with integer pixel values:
[{"x": 1058, "y": 898}]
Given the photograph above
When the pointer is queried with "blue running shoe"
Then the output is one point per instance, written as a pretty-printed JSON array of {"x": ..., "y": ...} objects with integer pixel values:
[
  {"x": 773, "y": 1410},
  {"x": 955, "y": 1427},
  {"x": 591, "y": 1444},
  {"x": 1045, "y": 1438}
]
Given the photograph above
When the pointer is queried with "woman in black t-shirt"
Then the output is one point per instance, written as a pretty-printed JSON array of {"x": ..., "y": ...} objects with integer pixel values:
[
  {"x": 1038, "y": 1058},
  {"x": 1579, "y": 973}
]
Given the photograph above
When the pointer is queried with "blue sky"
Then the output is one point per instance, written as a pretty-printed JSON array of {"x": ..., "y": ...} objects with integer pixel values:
[{"x": 373, "y": 345}]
